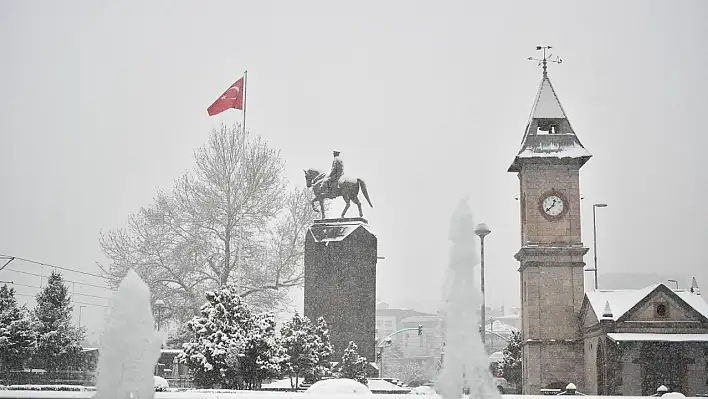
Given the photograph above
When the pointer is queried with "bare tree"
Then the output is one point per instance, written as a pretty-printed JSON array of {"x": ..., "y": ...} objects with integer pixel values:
[{"x": 232, "y": 219}]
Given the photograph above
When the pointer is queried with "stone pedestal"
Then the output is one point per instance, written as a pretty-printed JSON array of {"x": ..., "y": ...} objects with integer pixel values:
[{"x": 340, "y": 282}]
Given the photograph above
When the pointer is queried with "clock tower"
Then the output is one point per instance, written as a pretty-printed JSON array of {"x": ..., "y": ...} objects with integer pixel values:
[{"x": 551, "y": 255}]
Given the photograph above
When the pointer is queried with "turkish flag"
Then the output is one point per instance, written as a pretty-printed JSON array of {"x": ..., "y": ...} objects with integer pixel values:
[{"x": 232, "y": 98}]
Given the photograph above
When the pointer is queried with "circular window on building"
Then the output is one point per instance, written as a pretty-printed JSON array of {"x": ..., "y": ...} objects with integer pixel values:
[{"x": 661, "y": 310}]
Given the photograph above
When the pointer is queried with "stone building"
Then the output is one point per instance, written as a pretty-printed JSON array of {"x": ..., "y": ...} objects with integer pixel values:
[
  {"x": 622, "y": 342},
  {"x": 551, "y": 255},
  {"x": 637, "y": 340}
]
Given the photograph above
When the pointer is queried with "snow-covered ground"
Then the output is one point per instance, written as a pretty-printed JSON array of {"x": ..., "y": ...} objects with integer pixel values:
[{"x": 249, "y": 395}]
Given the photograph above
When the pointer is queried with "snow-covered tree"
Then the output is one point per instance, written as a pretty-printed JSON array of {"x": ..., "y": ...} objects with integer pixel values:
[
  {"x": 17, "y": 337},
  {"x": 233, "y": 219},
  {"x": 511, "y": 363},
  {"x": 261, "y": 353},
  {"x": 325, "y": 349},
  {"x": 412, "y": 372},
  {"x": 218, "y": 338},
  {"x": 299, "y": 342},
  {"x": 231, "y": 346},
  {"x": 353, "y": 366},
  {"x": 58, "y": 340}
]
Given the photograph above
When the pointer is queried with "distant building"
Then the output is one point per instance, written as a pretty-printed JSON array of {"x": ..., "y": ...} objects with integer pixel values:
[
  {"x": 390, "y": 320},
  {"x": 429, "y": 343},
  {"x": 408, "y": 350},
  {"x": 498, "y": 334},
  {"x": 512, "y": 320}
]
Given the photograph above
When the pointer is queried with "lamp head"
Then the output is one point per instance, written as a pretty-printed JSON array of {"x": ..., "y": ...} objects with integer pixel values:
[{"x": 482, "y": 230}]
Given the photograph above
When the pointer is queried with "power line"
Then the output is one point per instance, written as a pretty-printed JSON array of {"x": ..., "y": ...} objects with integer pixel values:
[
  {"x": 87, "y": 295},
  {"x": 68, "y": 281},
  {"x": 78, "y": 303},
  {"x": 50, "y": 265},
  {"x": 8, "y": 262}
]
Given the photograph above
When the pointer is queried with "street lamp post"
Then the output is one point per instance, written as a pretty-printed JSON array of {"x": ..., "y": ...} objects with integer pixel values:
[
  {"x": 674, "y": 281},
  {"x": 385, "y": 343},
  {"x": 482, "y": 230},
  {"x": 159, "y": 304},
  {"x": 594, "y": 237}
]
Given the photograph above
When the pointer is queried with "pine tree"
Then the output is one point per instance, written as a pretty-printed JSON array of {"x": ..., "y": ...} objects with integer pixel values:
[
  {"x": 262, "y": 353},
  {"x": 58, "y": 341},
  {"x": 231, "y": 346},
  {"x": 17, "y": 337},
  {"x": 212, "y": 356},
  {"x": 511, "y": 364},
  {"x": 298, "y": 339},
  {"x": 353, "y": 366},
  {"x": 325, "y": 349}
]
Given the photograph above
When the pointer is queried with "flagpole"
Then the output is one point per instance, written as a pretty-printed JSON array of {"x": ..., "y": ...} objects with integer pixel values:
[{"x": 245, "y": 81}]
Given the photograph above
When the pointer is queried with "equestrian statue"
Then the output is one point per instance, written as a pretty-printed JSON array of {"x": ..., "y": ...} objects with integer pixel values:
[{"x": 335, "y": 184}]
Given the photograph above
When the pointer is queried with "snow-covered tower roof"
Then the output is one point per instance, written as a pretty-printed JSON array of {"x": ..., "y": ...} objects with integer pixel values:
[{"x": 548, "y": 131}]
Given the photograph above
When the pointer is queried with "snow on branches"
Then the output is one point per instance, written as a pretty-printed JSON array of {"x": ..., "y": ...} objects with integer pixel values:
[
  {"x": 234, "y": 217},
  {"x": 17, "y": 336},
  {"x": 232, "y": 346},
  {"x": 307, "y": 349},
  {"x": 352, "y": 366}
]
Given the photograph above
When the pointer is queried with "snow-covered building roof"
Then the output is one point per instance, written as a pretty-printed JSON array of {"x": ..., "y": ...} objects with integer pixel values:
[
  {"x": 620, "y": 302},
  {"x": 654, "y": 337},
  {"x": 548, "y": 132},
  {"x": 424, "y": 318},
  {"x": 499, "y": 327}
]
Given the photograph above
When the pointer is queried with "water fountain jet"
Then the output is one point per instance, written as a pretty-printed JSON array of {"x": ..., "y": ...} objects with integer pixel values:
[
  {"x": 465, "y": 367},
  {"x": 130, "y": 346}
]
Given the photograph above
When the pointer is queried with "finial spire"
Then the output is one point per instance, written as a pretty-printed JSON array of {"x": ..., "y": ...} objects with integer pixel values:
[
  {"x": 543, "y": 62},
  {"x": 694, "y": 287},
  {"x": 607, "y": 312}
]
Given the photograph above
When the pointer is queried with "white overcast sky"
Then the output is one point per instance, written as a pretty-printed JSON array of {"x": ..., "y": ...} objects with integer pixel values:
[{"x": 104, "y": 102}]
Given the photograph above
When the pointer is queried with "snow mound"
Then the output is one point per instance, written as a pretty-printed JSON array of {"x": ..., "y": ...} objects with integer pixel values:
[
  {"x": 161, "y": 384},
  {"x": 673, "y": 395},
  {"x": 423, "y": 390},
  {"x": 338, "y": 386}
]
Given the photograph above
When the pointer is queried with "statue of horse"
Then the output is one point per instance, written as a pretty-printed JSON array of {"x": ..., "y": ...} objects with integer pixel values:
[{"x": 348, "y": 190}]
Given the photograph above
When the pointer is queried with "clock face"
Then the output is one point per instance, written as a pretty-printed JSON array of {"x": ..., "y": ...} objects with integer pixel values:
[{"x": 552, "y": 205}]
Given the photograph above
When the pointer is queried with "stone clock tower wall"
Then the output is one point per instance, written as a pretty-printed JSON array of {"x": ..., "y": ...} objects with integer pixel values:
[
  {"x": 551, "y": 254},
  {"x": 538, "y": 178}
]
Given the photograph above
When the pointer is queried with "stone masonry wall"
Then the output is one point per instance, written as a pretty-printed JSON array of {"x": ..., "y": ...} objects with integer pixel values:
[{"x": 340, "y": 285}]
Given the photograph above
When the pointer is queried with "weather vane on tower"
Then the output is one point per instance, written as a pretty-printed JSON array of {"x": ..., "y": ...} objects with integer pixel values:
[{"x": 544, "y": 61}]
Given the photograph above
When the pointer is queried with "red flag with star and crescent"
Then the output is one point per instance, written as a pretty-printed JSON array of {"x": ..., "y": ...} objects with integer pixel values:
[{"x": 232, "y": 98}]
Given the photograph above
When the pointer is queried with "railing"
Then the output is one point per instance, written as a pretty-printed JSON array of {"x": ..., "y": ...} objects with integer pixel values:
[{"x": 36, "y": 377}]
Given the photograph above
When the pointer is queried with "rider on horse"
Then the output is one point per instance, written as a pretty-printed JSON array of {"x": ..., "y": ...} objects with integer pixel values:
[
  {"x": 331, "y": 181},
  {"x": 335, "y": 184}
]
